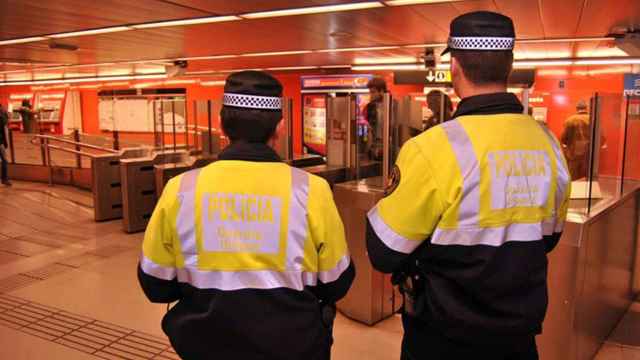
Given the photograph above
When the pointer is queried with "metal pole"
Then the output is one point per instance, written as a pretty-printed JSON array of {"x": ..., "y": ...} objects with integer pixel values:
[
  {"x": 353, "y": 129},
  {"x": 156, "y": 140},
  {"x": 186, "y": 124},
  {"x": 195, "y": 124},
  {"x": 290, "y": 129},
  {"x": 173, "y": 122},
  {"x": 592, "y": 154},
  {"x": 116, "y": 140},
  {"x": 162, "y": 125},
  {"x": 48, "y": 157},
  {"x": 12, "y": 147},
  {"x": 76, "y": 138},
  {"x": 209, "y": 126},
  {"x": 386, "y": 151},
  {"x": 624, "y": 145}
]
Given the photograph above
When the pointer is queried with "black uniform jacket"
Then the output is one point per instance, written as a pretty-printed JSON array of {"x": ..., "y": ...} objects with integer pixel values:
[
  {"x": 492, "y": 311},
  {"x": 249, "y": 323}
]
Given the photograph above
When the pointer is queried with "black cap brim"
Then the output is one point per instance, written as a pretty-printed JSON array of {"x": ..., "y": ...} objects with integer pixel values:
[{"x": 445, "y": 51}]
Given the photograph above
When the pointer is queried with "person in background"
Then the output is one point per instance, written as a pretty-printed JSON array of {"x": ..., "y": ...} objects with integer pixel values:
[
  {"x": 253, "y": 250},
  {"x": 28, "y": 117},
  {"x": 466, "y": 229},
  {"x": 4, "y": 144},
  {"x": 441, "y": 108},
  {"x": 377, "y": 88},
  {"x": 575, "y": 141}
]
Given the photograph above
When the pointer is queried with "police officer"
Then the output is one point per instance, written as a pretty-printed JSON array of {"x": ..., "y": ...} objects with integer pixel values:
[
  {"x": 475, "y": 205},
  {"x": 253, "y": 250}
]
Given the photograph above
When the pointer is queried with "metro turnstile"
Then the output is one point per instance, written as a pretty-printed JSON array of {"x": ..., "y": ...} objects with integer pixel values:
[{"x": 371, "y": 298}]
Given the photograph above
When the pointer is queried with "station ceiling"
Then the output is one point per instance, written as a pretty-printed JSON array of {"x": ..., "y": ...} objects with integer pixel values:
[{"x": 240, "y": 41}]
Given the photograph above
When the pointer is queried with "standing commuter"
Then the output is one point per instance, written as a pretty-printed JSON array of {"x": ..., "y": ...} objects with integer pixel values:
[
  {"x": 29, "y": 123},
  {"x": 475, "y": 206},
  {"x": 377, "y": 88},
  {"x": 4, "y": 144},
  {"x": 575, "y": 139},
  {"x": 252, "y": 250}
]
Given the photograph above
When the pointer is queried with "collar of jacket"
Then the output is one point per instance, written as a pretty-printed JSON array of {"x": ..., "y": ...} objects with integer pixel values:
[
  {"x": 244, "y": 151},
  {"x": 489, "y": 104}
]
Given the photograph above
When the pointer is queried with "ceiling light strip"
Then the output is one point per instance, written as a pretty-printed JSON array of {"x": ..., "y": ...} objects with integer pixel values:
[
  {"x": 388, "y": 67},
  {"x": 22, "y": 40},
  {"x": 182, "y": 22},
  {"x": 415, "y": 2},
  {"x": 91, "y": 32},
  {"x": 89, "y": 79},
  {"x": 278, "y": 53},
  {"x": 313, "y": 10},
  {"x": 292, "y": 68}
]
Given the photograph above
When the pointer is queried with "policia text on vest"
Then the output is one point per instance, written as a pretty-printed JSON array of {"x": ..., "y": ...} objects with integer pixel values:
[{"x": 252, "y": 250}]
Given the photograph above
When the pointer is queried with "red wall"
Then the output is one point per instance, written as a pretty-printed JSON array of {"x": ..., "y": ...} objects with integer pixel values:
[{"x": 560, "y": 102}]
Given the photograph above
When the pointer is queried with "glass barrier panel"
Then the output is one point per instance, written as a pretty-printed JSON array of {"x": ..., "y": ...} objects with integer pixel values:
[{"x": 631, "y": 163}]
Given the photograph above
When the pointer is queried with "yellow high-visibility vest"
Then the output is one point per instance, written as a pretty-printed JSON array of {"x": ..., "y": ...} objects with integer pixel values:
[
  {"x": 463, "y": 183},
  {"x": 238, "y": 225}
]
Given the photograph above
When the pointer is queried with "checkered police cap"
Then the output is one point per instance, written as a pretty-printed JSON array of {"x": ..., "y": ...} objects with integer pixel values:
[
  {"x": 481, "y": 31},
  {"x": 253, "y": 90}
]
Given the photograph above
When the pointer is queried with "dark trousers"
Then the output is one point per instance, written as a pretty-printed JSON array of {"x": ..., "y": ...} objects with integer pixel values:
[
  {"x": 433, "y": 346},
  {"x": 4, "y": 165}
]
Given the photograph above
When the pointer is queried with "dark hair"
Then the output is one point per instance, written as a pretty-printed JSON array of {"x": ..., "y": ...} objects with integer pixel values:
[
  {"x": 377, "y": 83},
  {"x": 485, "y": 67},
  {"x": 25, "y": 102},
  {"x": 251, "y": 125}
]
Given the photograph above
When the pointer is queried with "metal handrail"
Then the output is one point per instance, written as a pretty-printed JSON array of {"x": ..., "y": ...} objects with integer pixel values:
[
  {"x": 81, "y": 153},
  {"x": 80, "y": 144}
]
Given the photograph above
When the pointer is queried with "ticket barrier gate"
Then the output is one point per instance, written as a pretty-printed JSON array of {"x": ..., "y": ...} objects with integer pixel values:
[
  {"x": 107, "y": 182},
  {"x": 139, "y": 187},
  {"x": 372, "y": 298},
  {"x": 345, "y": 159}
]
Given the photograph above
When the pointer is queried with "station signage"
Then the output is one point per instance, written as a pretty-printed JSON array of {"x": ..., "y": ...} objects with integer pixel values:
[
  {"x": 355, "y": 81},
  {"x": 423, "y": 77},
  {"x": 631, "y": 84}
]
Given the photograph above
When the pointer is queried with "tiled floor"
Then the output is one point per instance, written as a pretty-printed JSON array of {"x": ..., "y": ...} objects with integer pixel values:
[{"x": 68, "y": 290}]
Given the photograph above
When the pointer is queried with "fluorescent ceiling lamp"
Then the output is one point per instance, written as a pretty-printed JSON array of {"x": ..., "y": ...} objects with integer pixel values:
[
  {"x": 415, "y": 2},
  {"x": 23, "y": 40},
  {"x": 386, "y": 60},
  {"x": 608, "y": 62},
  {"x": 335, "y": 66},
  {"x": 89, "y": 79},
  {"x": 372, "y": 48},
  {"x": 203, "y": 20},
  {"x": 443, "y": 66},
  {"x": 211, "y": 57},
  {"x": 525, "y": 64},
  {"x": 20, "y": 96},
  {"x": 213, "y": 83},
  {"x": 313, "y": 10},
  {"x": 388, "y": 67},
  {"x": 91, "y": 32},
  {"x": 292, "y": 68},
  {"x": 276, "y": 53}
]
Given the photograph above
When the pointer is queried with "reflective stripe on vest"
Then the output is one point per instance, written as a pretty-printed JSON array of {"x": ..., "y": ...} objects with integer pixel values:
[
  {"x": 389, "y": 237},
  {"x": 292, "y": 277},
  {"x": 563, "y": 178},
  {"x": 468, "y": 231}
]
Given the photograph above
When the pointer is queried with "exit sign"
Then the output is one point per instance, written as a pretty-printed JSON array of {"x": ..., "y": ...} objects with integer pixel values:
[{"x": 423, "y": 77}]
